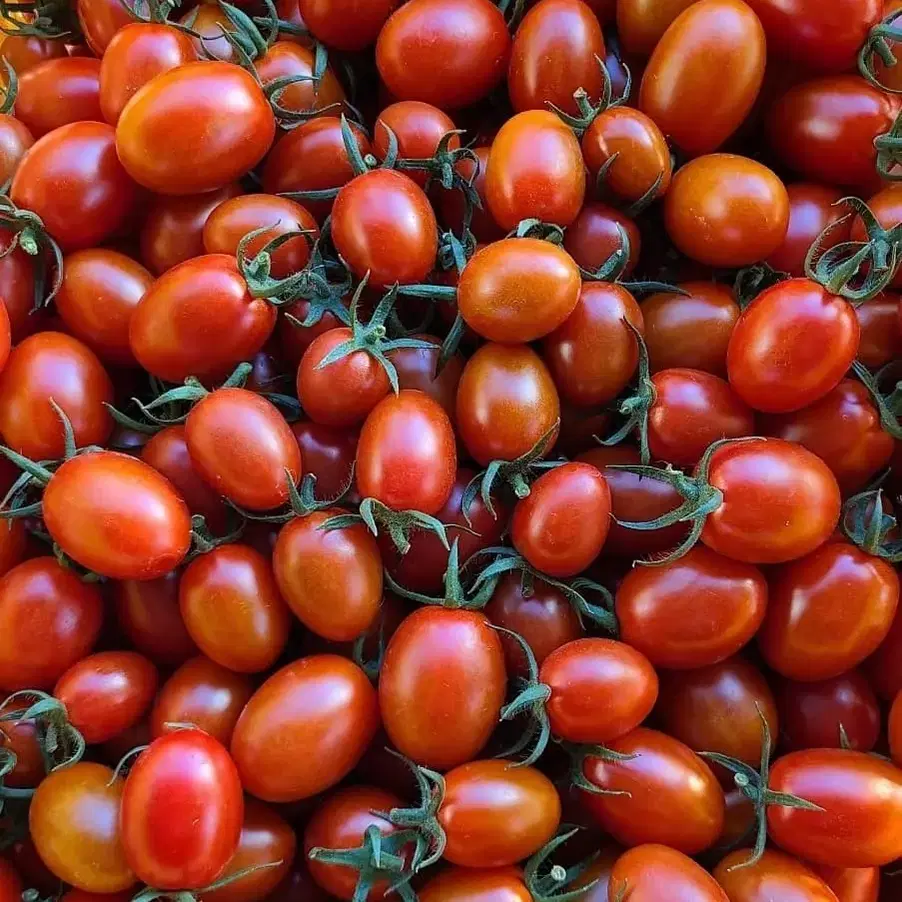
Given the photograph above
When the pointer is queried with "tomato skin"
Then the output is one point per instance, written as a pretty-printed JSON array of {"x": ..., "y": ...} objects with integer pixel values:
[
  {"x": 441, "y": 686},
  {"x": 226, "y": 126},
  {"x": 182, "y": 810},
  {"x": 475, "y": 885},
  {"x": 74, "y": 823},
  {"x": 593, "y": 237},
  {"x": 327, "y": 453},
  {"x": 464, "y": 47},
  {"x": 495, "y": 814},
  {"x": 74, "y": 181},
  {"x": 17, "y": 290},
  {"x": 100, "y": 21},
  {"x": 651, "y": 872},
  {"x": 684, "y": 89},
  {"x": 663, "y": 770},
  {"x": 416, "y": 368},
  {"x": 26, "y": 51},
  {"x": 287, "y": 58},
  {"x": 21, "y": 738},
  {"x": 49, "y": 611},
  {"x": 774, "y": 876},
  {"x": 518, "y": 289},
  {"x": 15, "y": 139},
  {"x": 553, "y": 54},
  {"x": 660, "y": 618},
  {"x": 95, "y": 498},
  {"x": 305, "y": 728},
  {"x": 884, "y": 667},
  {"x": 346, "y": 24},
  {"x": 11, "y": 886},
  {"x": 57, "y": 92},
  {"x": 860, "y": 795},
  {"x": 881, "y": 330},
  {"x": 535, "y": 169},
  {"x": 851, "y": 884},
  {"x": 418, "y": 128},
  {"x": 450, "y": 205},
  {"x": 725, "y": 210},
  {"x": 107, "y": 693},
  {"x": 642, "y": 23},
  {"x": 894, "y": 730}
]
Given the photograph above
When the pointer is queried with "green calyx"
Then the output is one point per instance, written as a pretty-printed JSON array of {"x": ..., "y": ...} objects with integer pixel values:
[
  {"x": 589, "y": 112},
  {"x": 579, "y": 755},
  {"x": 10, "y": 92},
  {"x": 421, "y": 823},
  {"x": 257, "y": 270},
  {"x": 868, "y": 526},
  {"x": 550, "y": 882},
  {"x": 302, "y": 500},
  {"x": 151, "y": 894},
  {"x": 442, "y": 166},
  {"x": 889, "y": 406},
  {"x": 889, "y": 152},
  {"x": 541, "y": 231},
  {"x": 29, "y": 234},
  {"x": 753, "y": 280},
  {"x": 879, "y": 45}
]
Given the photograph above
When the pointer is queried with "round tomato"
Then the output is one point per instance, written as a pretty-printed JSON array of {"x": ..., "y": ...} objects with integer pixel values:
[
  {"x": 346, "y": 26},
  {"x": 417, "y": 368},
  {"x": 100, "y": 21},
  {"x": 57, "y": 92},
  {"x": 15, "y": 139},
  {"x": 651, "y": 872},
  {"x": 475, "y": 885},
  {"x": 11, "y": 887}
]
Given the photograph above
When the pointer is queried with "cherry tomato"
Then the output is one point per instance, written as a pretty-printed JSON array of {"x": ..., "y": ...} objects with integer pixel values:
[
  {"x": 25, "y": 51},
  {"x": 651, "y": 872},
  {"x": 475, "y": 885},
  {"x": 57, "y": 92},
  {"x": 100, "y": 20},
  {"x": 594, "y": 236},
  {"x": 15, "y": 139},
  {"x": 346, "y": 26},
  {"x": 884, "y": 667},
  {"x": 11, "y": 886},
  {"x": 328, "y": 454},
  {"x": 773, "y": 876},
  {"x": 886, "y": 205},
  {"x": 416, "y": 368},
  {"x": 881, "y": 335},
  {"x": 451, "y": 207},
  {"x": 851, "y": 884},
  {"x": 21, "y": 738},
  {"x": 418, "y": 128},
  {"x": 642, "y": 23},
  {"x": 286, "y": 59}
]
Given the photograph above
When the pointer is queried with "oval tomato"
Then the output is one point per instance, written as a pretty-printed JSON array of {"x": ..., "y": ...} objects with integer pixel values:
[
  {"x": 346, "y": 26},
  {"x": 649, "y": 872},
  {"x": 57, "y": 92},
  {"x": 773, "y": 876},
  {"x": 642, "y": 23}
]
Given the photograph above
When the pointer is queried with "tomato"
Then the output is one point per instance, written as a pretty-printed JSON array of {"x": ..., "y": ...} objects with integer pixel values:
[
  {"x": 851, "y": 884},
  {"x": 74, "y": 822},
  {"x": 535, "y": 170},
  {"x": 416, "y": 368},
  {"x": 773, "y": 876},
  {"x": 495, "y": 814},
  {"x": 725, "y": 210},
  {"x": 881, "y": 335},
  {"x": 704, "y": 75},
  {"x": 449, "y": 53},
  {"x": 25, "y": 51},
  {"x": 50, "y": 620},
  {"x": 287, "y": 59},
  {"x": 418, "y": 128},
  {"x": 663, "y": 792},
  {"x": 886, "y": 205},
  {"x": 593, "y": 237},
  {"x": 554, "y": 53},
  {"x": 100, "y": 21},
  {"x": 651, "y": 872},
  {"x": 884, "y": 667},
  {"x": 346, "y": 25},
  {"x": 11, "y": 886},
  {"x": 17, "y": 289},
  {"x": 209, "y": 21},
  {"x": 450, "y": 204},
  {"x": 475, "y": 885},
  {"x": 116, "y": 516},
  {"x": 57, "y": 92},
  {"x": 642, "y": 23},
  {"x": 198, "y": 319},
  {"x": 406, "y": 455},
  {"x": 107, "y": 693},
  {"x": 21, "y": 738},
  {"x": 73, "y": 180},
  {"x": 195, "y": 128},
  {"x": 859, "y": 796},
  {"x": 305, "y": 728},
  {"x": 692, "y": 612},
  {"x": 328, "y": 454},
  {"x": 15, "y": 139}
]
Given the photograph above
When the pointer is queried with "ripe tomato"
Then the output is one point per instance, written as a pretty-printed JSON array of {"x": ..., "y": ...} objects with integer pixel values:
[
  {"x": 25, "y": 51},
  {"x": 107, "y": 693},
  {"x": 704, "y": 75},
  {"x": 195, "y": 128},
  {"x": 345, "y": 26},
  {"x": 881, "y": 335},
  {"x": 100, "y": 20},
  {"x": 651, "y": 872},
  {"x": 416, "y": 368},
  {"x": 305, "y": 728},
  {"x": 886, "y": 205},
  {"x": 535, "y": 170},
  {"x": 11, "y": 886},
  {"x": 594, "y": 236},
  {"x": 894, "y": 729},
  {"x": 50, "y": 620},
  {"x": 851, "y": 884},
  {"x": 475, "y": 885},
  {"x": 418, "y": 128},
  {"x": 327, "y": 453},
  {"x": 773, "y": 876},
  {"x": 285, "y": 59},
  {"x": 74, "y": 823},
  {"x": 57, "y": 92},
  {"x": 451, "y": 207},
  {"x": 642, "y": 23},
  {"x": 884, "y": 667},
  {"x": 15, "y": 139}
]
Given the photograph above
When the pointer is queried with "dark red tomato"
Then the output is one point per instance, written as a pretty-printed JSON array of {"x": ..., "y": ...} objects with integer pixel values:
[
  {"x": 235, "y": 218},
  {"x": 475, "y": 885},
  {"x": 449, "y": 54},
  {"x": 535, "y": 170},
  {"x": 198, "y": 319},
  {"x": 450, "y": 204},
  {"x": 594, "y": 236},
  {"x": 107, "y": 693},
  {"x": 418, "y": 128},
  {"x": 407, "y": 455},
  {"x": 305, "y": 728},
  {"x": 859, "y": 798},
  {"x": 827, "y": 612},
  {"x": 555, "y": 51},
  {"x": 100, "y": 290},
  {"x": 15, "y": 139},
  {"x": 14, "y": 544},
  {"x": 17, "y": 289},
  {"x": 53, "y": 366},
  {"x": 241, "y": 445},
  {"x": 442, "y": 686},
  {"x": 58, "y": 92},
  {"x": 50, "y": 620},
  {"x": 331, "y": 579},
  {"x": 816, "y": 715},
  {"x": 182, "y": 810},
  {"x": 725, "y": 210},
  {"x": 884, "y": 667},
  {"x": 662, "y": 792},
  {"x": 100, "y": 20},
  {"x": 341, "y": 822},
  {"x": 812, "y": 208},
  {"x": 642, "y": 23},
  {"x": 704, "y": 74},
  {"x": 652, "y": 872},
  {"x": 691, "y": 410},
  {"x": 25, "y": 51},
  {"x": 495, "y": 815},
  {"x": 74, "y": 823},
  {"x": 11, "y": 886},
  {"x": 851, "y": 884},
  {"x": 719, "y": 709},
  {"x": 416, "y": 368},
  {"x": 561, "y": 526},
  {"x": 73, "y": 180},
  {"x": 232, "y": 608},
  {"x": 773, "y": 876},
  {"x": 204, "y": 694},
  {"x": 692, "y": 612},
  {"x": 21, "y": 738},
  {"x": 117, "y": 516},
  {"x": 345, "y": 26},
  {"x": 881, "y": 335},
  {"x": 384, "y": 225},
  {"x": 326, "y": 453},
  {"x": 593, "y": 354},
  {"x": 147, "y": 612},
  {"x": 601, "y": 689},
  {"x": 285, "y": 59},
  {"x": 824, "y": 129},
  {"x": 894, "y": 729}
]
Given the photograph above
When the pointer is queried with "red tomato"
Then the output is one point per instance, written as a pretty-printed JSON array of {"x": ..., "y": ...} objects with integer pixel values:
[
  {"x": 58, "y": 92},
  {"x": 652, "y": 872},
  {"x": 346, "y": 25},
  {"x": 642, "y": 23},
  {"x": 286, "y": 58},
  {"x": 594, "y": 236},
  {"x": 451, "y": 207},
  {"x": 884, "y": 667},
  {"x": 25, "y": 51},
  {"x": 416, "y": 368},
  {"x": 773, "y": 876},
  {"x": 851, "y": 884},
  {"x": 11, "y": 886},
  {"x": 418, "y": 128},
  {"x": 475, "y": 885},
  {"x": 100, "y": 20},
  {"x": 15, "y": 139},
  {"x": 881, "y": 335},
  {"x": 328, "y": 454}
]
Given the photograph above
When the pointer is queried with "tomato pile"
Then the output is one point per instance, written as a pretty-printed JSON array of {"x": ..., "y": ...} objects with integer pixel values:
[{"x": 450, "y": 451}]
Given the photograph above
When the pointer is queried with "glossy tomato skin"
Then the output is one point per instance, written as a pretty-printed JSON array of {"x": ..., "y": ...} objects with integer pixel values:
[
  {"x": 286, "y": 58},
  {"x": 327, "y": 453},
  {"x": 305, "y": 728},
  {"x": 464, "y": 47},
  {"x": 15, "y": 139},
  {"x": 418, "y": 128},
  {"x": 198, "y": 319},
  {"x": 182, "y": 810},
  {"x": 651, "y": 872},
  {"x": 774, "y": 876},
  {"x": 51, "y": 620},
  {"x": 663, "y": 770},
  {"x": 535, "y": 169},
  {"x": 57, "y": 92},
  {"x": 346, "y": 25},
  {"x": 225, "y": 128},
  {"x": 642, "y": 23},
  {"x": 851, "y": 884},
  {"x": 594, "y": 236},
  {"x": 860, "y": 795},
  {"x": 242, "y": 447},
  {"x": 476, "y": 885},
  {"x": 73, "y": 180},
  {"x": 894, "y": 730},
  {"x": 107, "y": 693},
  {"x": 417, "y": 369},
  {"x": 684, "y": 89},
  {"x": 495, "y": 814},
  {"x": 100, "y": 21},
  {"x": 886, "y": 205},
  {"x": 659, "y": 613},
  {"x": 881, "y": 330},
  {"x": 94, "y": 498}
]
